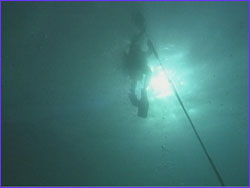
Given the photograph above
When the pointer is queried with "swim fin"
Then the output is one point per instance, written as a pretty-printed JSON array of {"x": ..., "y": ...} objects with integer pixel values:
[{"x": 143, "y": 104}]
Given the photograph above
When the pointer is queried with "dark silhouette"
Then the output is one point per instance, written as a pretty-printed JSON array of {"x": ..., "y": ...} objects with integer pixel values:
[{"x": 136, "y": 61}]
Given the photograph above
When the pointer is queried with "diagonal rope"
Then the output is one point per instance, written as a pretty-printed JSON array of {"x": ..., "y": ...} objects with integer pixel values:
[{"x": 189, "y": 119}]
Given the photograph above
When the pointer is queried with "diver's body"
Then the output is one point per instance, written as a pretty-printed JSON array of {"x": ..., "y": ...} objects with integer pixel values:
[
  {"x": 137, "y": 57},
  {"x": 139, "y": 51}
]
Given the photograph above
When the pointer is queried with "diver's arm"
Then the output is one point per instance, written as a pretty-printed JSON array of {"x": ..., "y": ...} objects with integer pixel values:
[{"x": 151, "y": 49}]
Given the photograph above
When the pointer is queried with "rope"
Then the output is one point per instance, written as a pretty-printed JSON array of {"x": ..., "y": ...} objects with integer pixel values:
[{"x": 190, "y": 121}]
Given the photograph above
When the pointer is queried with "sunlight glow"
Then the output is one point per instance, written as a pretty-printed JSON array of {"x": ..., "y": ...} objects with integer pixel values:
[{"x": 159, "y": 85}]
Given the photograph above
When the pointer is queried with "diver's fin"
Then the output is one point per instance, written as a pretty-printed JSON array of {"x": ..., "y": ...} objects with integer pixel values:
[{"x": 143, "y": 104}]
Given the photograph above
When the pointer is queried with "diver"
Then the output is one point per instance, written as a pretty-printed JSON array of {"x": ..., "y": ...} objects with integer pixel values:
[{"x": 139, "y": 50}]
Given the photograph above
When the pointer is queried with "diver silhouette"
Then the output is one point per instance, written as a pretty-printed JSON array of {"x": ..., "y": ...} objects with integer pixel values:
[{"x": 140, "y": 49}]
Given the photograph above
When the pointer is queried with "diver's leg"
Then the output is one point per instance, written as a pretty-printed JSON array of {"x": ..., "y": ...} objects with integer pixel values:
[
  {"x": 143, "y": 105},
  {"x": 148, "y": 74},
  {"x": 132, "y": 96}
]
